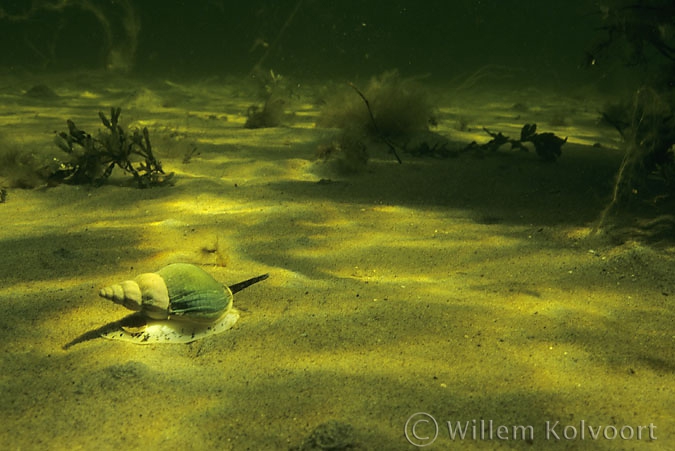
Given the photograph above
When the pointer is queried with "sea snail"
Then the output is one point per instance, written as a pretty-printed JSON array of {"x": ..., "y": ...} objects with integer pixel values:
[{"x": 180, "y": 303}]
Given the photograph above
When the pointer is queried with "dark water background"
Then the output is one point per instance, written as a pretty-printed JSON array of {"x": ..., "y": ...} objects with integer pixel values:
[{"x": 322, "y": 39}]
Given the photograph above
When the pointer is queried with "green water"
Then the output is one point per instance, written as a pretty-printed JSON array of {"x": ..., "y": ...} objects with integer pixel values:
[{"x": 465, "y": 290}]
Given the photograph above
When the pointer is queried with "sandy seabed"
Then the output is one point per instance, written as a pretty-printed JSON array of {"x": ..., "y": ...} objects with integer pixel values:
[{"x": 465, "y": 290}]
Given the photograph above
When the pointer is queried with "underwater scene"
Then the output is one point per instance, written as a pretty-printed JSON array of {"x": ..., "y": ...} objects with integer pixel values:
[{"x": 356, "y": 225}]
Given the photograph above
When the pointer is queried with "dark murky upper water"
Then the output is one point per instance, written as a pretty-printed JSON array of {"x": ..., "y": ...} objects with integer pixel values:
[{"x": 304, "y": 38}]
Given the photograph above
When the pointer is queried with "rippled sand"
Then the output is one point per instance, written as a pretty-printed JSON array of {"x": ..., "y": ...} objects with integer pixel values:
[{"x": 466, "y": 288}]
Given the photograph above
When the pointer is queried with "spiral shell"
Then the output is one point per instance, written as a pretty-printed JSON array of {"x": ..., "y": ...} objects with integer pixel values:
[
  {"x": 179, "y": 303},
  {"x": 178, "y": 290}
]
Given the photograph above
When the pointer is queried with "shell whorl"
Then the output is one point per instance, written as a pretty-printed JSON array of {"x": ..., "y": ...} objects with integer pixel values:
[
  {"x": 155, "y": 299},
  {"x": 147, "y": 293},
  {"x": 126, "y": 293}
]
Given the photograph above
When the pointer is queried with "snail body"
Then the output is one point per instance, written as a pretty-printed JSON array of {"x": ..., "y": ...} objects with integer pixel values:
[{"x": 180, "y": 303}]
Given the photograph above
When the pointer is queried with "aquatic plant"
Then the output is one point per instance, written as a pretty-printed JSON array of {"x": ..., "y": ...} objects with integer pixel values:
[
  {"x": 24, "y": 168},
  {"x": 646, "y": 122},
  {"x": 641, "y": 34},
  {"x": 390, "y": 110},
  {"x": 347, "y": 150},
  {"x": 395, "y": 107},
  {"x": 647, "y": 126},
  {"x": 547, "y": 145},
  {"x": 648, "y": 130},
  {"x": 92, "y": 159},
  {"x": 272, "y": 89},
  {"x": 382, "y": 136},
  {"x": 269, "y": 115},
  {"x": 636, "y": 28}
]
